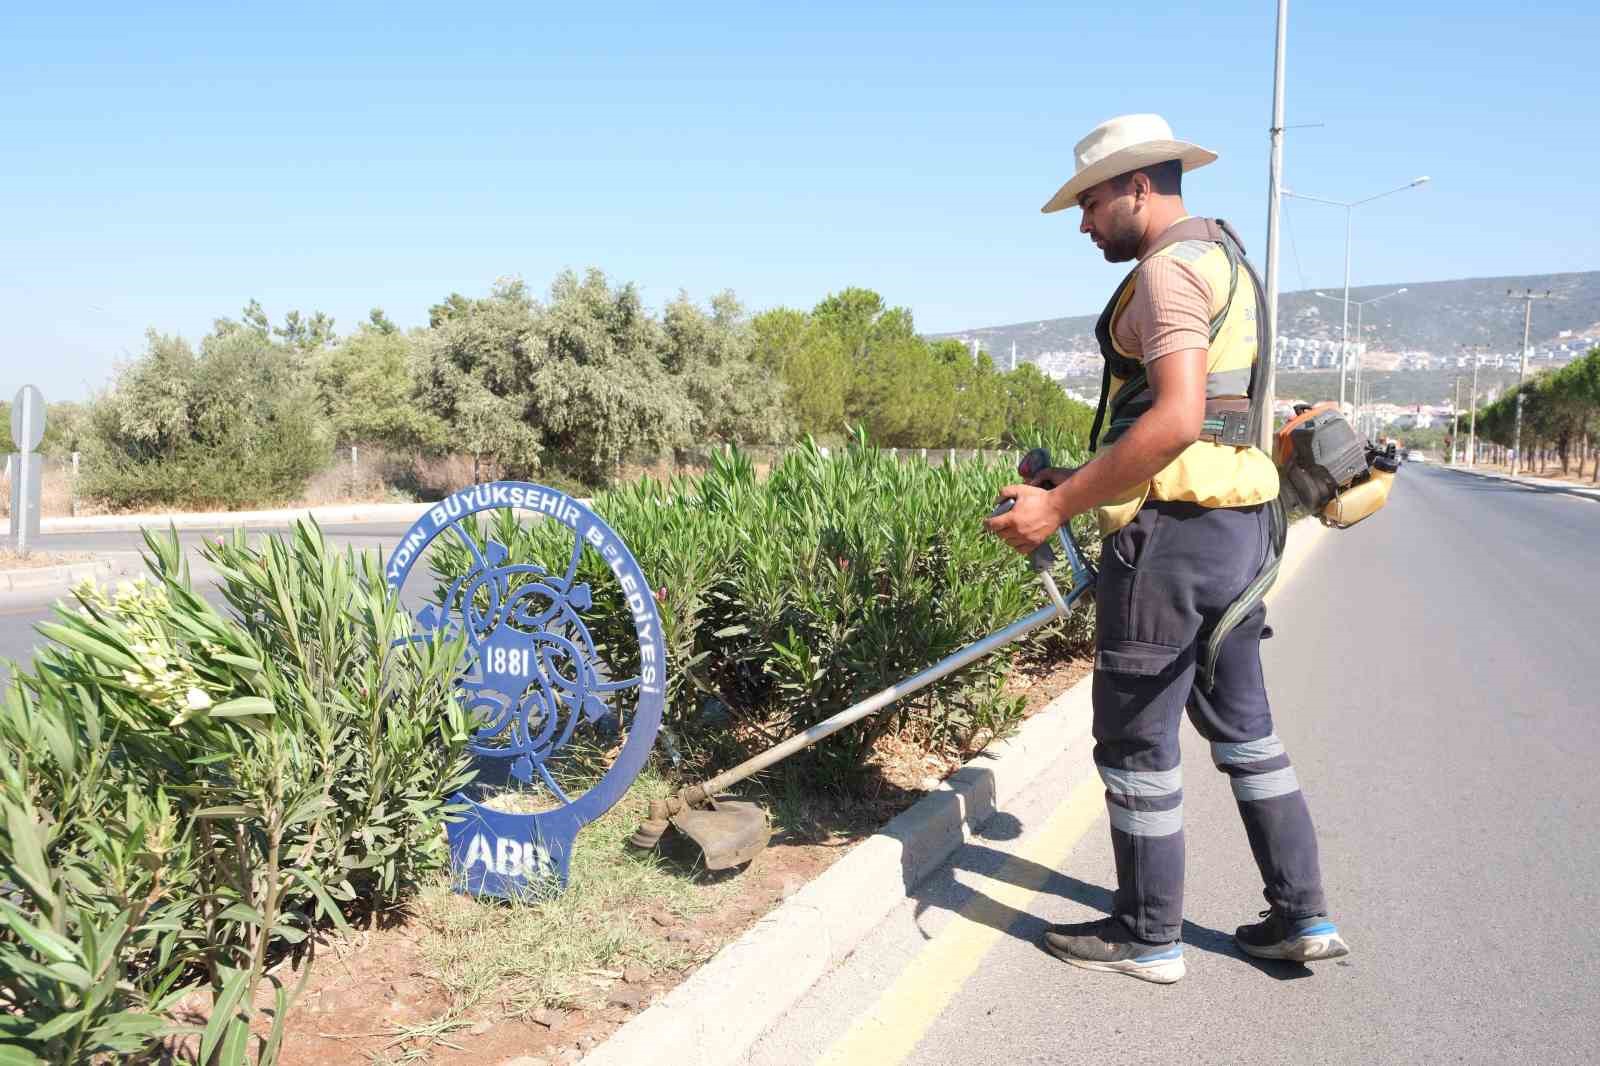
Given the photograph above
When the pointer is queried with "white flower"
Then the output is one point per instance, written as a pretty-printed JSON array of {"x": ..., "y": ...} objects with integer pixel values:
[{"x": 196, "y": 700}]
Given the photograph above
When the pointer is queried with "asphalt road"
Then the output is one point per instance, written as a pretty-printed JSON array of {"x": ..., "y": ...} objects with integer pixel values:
[{"x": 1431, "y": 677}]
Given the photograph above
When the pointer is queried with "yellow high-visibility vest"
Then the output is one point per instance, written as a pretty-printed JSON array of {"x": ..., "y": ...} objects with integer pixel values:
[{"x": 1211, "y": 472}]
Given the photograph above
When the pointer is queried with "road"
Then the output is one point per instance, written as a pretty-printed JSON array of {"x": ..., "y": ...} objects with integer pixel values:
[
  {"x": 1431, "y": 679},
  {"x": 1431, "y": 675}
]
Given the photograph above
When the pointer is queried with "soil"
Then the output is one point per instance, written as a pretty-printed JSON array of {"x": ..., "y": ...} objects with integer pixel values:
[
  {"x": 369, "y": 986},
  {"x": 10, "y": 560},
  {"x": 1552, "y": 473}
]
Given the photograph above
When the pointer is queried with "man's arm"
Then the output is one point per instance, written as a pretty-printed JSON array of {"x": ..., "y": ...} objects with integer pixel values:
[{"x": 1177, "y": 412}]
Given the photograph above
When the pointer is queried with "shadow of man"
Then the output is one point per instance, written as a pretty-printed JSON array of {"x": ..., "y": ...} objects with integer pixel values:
[{"x": 942, "y": 890}]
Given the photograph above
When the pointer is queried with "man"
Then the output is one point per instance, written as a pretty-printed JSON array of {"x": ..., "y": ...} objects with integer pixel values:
[{"x": 1186, "y": 505}]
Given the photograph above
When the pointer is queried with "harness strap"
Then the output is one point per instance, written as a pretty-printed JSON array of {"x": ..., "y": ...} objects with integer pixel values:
[
  {"x": 1250, "y": 598},
  {"x": 1224, "y": 422}
]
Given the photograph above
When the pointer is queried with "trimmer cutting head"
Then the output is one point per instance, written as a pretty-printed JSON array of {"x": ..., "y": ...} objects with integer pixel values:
[{"x": 728, "y": 833}]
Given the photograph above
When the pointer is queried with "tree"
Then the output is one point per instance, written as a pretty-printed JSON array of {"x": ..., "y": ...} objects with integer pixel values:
[
  {"x": 813, "y": 365},
  {"x": 235, "y": 424},
  {"x": 578, "y": 382},
  {"x": 367, "y": 387},
  {"x": 377, "y": 320},
  {"x": 737, "y": 399}
]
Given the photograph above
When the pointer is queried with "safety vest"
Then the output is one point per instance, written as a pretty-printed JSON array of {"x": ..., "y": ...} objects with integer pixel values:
[{"x": 1224, "y": 468}]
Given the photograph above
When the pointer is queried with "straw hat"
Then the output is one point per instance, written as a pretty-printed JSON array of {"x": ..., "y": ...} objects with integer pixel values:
[{"x": 1119, "y": 145}]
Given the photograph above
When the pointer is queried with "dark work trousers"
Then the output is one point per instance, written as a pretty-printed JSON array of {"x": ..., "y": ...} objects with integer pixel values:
[{"x": 1165, "y": 579}]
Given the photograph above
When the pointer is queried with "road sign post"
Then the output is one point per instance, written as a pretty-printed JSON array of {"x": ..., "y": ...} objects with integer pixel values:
[{"x": 27, "y": 431}]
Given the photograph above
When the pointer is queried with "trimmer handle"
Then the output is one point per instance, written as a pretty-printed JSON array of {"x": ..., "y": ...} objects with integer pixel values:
[
  {"x": 1042, "y": 557},
  {"x": 1036, "y": 460},
  {"x": 1032, "y": 464}
]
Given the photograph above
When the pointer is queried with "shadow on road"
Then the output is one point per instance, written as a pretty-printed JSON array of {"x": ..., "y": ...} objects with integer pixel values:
[{"x": 942, "y": 890}]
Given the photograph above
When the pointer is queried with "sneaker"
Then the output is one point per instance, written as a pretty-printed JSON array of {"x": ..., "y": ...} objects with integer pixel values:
[
  {"x": 1298, "y": 939},
  {"x": 1108, "y": 946}
]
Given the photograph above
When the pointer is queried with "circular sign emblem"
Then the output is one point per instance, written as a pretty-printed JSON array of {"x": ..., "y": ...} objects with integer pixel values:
[{"x": 564, "y": 722}]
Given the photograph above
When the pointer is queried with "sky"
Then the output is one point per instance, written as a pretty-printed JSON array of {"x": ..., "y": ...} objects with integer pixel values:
[{"x": 164, "y": 164}]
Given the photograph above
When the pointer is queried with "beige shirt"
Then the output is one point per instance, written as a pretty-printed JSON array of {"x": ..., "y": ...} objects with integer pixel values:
[{"x": 1170, "y": 310}]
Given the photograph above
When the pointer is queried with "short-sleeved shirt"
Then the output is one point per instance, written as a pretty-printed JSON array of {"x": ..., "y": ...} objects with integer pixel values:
[{"x": 1170, "y": 311}]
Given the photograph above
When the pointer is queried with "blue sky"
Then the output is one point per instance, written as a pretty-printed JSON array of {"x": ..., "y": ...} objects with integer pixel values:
[{"x": 167, "y": 163}]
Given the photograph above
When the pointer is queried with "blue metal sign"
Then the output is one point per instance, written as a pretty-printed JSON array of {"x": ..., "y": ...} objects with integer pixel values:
[{"x": 536, "y": 681}]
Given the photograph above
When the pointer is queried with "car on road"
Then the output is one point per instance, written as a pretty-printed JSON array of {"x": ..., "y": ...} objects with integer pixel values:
[{"x": 1415, "y": 456}]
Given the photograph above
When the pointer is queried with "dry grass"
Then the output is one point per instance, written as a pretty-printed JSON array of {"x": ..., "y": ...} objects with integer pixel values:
[{"x": 563, "y": 951}]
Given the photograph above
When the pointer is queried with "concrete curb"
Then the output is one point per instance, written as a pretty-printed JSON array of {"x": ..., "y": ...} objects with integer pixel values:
[
  {"x": 67, "y": 575},
  {"x": 1542, "y": 484},
  {"x": 712, "y": 1018},
  {"x": 122, "y": 523}
]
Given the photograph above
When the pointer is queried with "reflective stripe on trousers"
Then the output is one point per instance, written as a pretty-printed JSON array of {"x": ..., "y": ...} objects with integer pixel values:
[
  {"x": 1257, "y": 769},
  {"x": 1144, "y": 803}
]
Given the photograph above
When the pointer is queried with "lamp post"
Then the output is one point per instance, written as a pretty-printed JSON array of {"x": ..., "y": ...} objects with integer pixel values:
[
  {"x": 1274, "y": 201},
  {"x": 1472, "y": 428},
  {"x": 1360, "y": 356},
  {"x": 1349, "y": 214},
  {"x": 1527, "y": 299}
]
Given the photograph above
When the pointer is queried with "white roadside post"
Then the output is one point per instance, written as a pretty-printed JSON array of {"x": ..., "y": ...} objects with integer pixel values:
[{"x": 27, "y": 430}]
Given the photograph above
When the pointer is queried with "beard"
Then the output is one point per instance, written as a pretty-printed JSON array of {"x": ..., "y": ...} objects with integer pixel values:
[{"x": 1122, "y": 244}]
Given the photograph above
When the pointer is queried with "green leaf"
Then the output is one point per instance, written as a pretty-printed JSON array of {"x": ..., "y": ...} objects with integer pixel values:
[
  {"x": 61, "y": 1023},
  {"x": 27, "y": 853},
  {"x": 308, "y": 808},
  {"x": 46, "y": 942},
  {"x": 222, "y": 1012},
  {"x": 325, "y": 904},
  {"x": 243, "y": 707},
  {"x": 242, "y": 912},
  {"x": 289, "y": 934},
  {"x": 228, "y": 811},
  {"x": 236, "y": 1048},
  {"x": 73, "y": 974},
  {"x": 12, "y": 1055},
  {"x": 98, "y": 650}
]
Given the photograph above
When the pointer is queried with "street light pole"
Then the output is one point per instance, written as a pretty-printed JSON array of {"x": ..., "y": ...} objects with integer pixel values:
[
  {"x": 1267, "y": 349},
  {"x": 1522, "y": 375},
  {"x": 1344, "y": 327},
  {"x": 1455, "y": 421},
  {"x": 1472, "y": 432},
  {"x": 1349, "y": 215},
  {"x": 1360, "y": 376}
]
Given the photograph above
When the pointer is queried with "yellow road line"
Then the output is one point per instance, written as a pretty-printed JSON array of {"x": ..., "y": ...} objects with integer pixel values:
[{"x": 888, "y": 1032}]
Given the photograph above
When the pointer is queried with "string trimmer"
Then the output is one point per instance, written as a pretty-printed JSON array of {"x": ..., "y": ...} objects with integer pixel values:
[{"x": 732, "y": 832}]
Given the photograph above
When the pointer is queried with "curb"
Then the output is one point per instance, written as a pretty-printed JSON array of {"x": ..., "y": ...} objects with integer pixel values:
[
  {"x": 370, "y": 512},
  {"x": 1568, "y": 488},
  {"x": 64, "y": 576},
  {"x": 713, "y": 1017}
]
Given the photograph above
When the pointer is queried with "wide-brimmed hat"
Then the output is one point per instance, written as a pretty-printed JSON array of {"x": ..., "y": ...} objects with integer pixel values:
[{"x": 1119, "y": 145}]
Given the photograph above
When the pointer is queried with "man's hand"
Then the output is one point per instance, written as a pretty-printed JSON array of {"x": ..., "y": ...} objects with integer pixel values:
[{"x": 1030, "y": 523}]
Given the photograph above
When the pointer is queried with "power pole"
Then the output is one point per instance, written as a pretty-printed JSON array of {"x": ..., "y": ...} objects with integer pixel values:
[
  {"x": 1267, "y": 348},
  {"x": 1455, "y": 422},
  {"x": 1527, "y": 299},
  {"x": 1472, "y": 433}
]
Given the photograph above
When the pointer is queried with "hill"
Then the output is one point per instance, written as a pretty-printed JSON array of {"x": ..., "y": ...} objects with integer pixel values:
[{"x": 1431, "y": 316}]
